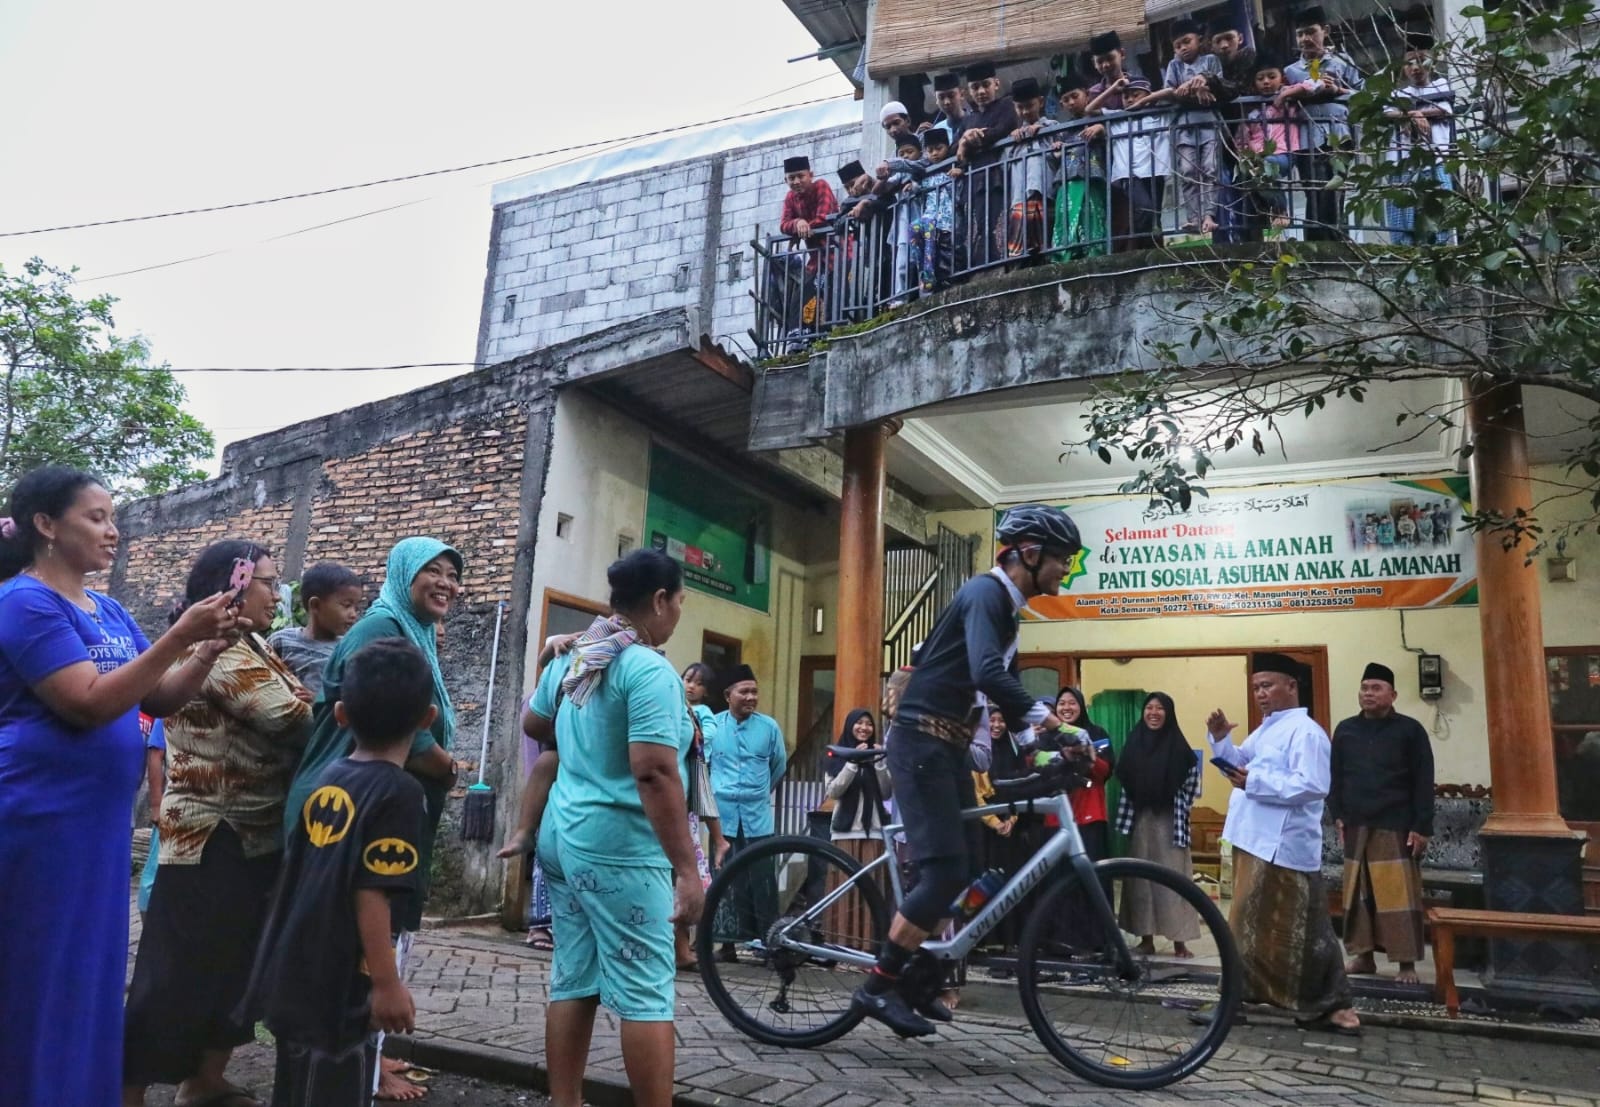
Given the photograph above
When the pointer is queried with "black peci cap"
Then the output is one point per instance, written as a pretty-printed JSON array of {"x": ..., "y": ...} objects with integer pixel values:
[
  {"x": 1105, "y": 43},
  {"x": 850, "y": 171},
  {"x": 1025, "y": 88},
  {"x": 1186, "y": 26},
  {"x": 947, "y": 82},
  {"x": 979, "y": 71},
  {"x": 1306, "y": 17},
  {"x": 796, "y": 164}
]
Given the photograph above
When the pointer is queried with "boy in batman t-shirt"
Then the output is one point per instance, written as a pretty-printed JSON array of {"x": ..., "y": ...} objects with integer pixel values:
[{"x": 325, "y": 975}]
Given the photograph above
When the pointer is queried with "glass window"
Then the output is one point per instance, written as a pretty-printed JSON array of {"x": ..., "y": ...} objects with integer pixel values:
[{"x": 1573, "y": 677}]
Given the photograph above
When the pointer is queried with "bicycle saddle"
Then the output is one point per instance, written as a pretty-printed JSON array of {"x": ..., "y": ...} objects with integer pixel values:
[{"x": 859, "y": 755}]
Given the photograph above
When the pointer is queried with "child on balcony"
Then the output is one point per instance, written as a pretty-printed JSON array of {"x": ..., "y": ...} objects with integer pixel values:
[
  {"x": 1266, "y": 140},
  {"x": 932, "y": 232},
  {"x": 1027, "y": 176},
  {"x": 1320, "y": 80},
  {"x": 1424, "y": 125},
  {"x": 1080, "y": 219},
  {"x": 982, "y": 197},
  {"x": 1139, "y": 163},
  {"x": 1187, "y": 81},
  {"x": 792, "y": 289}
]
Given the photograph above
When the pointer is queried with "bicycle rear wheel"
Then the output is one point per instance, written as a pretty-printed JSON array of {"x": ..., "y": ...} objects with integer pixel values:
[
  {"x": 786, "y": 904},
  {"x": 1138, "y": 1032}
]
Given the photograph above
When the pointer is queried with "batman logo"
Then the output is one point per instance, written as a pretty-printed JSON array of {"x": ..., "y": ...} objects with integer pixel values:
[
  {"x": 328, "y": 815},
  {"x": 390, "y": 857}
]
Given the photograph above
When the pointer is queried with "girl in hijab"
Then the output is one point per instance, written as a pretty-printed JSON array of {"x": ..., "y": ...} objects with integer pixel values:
[
  {"x": 859, "y": 791},
  {"x": 1089, "y": 811},
  {"x": 423, "y": 578},
  {"x": 1160, "y": 777}
]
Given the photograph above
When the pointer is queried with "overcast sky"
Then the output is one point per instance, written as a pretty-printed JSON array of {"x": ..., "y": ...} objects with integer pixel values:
[{"x": 121, "y": 109}]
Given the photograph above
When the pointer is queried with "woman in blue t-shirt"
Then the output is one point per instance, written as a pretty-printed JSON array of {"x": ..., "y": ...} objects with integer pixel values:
[{"x": 75, "y": 671}]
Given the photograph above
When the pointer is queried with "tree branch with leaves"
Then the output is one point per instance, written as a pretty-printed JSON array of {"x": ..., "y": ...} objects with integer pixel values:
[
  {"x": 74, "y": 392},
  {"x": 1502, "y": 285}
]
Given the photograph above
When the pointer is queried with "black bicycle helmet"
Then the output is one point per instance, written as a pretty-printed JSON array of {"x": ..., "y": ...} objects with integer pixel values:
[{"x": 1049, "y": 526}]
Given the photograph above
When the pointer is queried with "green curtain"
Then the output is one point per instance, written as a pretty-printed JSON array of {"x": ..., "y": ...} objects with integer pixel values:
[{"x": 1117, "y": 710}]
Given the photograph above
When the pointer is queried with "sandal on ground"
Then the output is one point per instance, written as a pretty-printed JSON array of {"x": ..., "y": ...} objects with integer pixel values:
[
  {"x": 1325, "y": 1023},
  {"x": 539, "y": 938},
  {"x": 229, "y": 1096},
  {"x": 688, "y": 966}
]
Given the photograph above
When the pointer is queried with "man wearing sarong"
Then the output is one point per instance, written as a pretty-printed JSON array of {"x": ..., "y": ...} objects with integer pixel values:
[
  {"x": 1381, "y": 800},
  {"x": 1280, "y": 913}
]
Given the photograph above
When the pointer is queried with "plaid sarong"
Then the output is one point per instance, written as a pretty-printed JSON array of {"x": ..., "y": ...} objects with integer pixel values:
[
  {"x": 1382, "y": 895},
  {"x": 1280, "y": 922}
]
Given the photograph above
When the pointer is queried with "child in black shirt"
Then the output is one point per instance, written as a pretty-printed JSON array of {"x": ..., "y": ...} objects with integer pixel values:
[{"x": 325, "y": 974}]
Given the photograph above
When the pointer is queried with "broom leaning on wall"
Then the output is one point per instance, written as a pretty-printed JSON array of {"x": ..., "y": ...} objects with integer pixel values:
[{"x": 477, "y": 814}]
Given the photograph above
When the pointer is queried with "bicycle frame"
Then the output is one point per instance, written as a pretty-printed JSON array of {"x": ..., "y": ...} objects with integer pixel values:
[{"x": 1065, "y": 845}]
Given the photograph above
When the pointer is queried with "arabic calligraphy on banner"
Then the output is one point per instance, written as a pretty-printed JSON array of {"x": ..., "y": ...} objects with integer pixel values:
[{"x": 1348, "y": 546}]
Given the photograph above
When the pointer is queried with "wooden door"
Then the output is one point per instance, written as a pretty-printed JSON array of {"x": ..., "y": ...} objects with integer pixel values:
[
  {"x": 1313, "y": 693},
  {"x": 1045, "y": 674}
]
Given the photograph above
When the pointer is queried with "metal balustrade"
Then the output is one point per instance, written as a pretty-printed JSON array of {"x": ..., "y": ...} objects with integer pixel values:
[{"x": 1106, "y": 184}]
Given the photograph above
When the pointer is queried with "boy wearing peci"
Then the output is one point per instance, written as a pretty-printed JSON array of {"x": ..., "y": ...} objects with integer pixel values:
[
  {"x": 1319, "y": 80},
  {"x": 325, "y": 974},
  {"x": 1188, "y": 78}
]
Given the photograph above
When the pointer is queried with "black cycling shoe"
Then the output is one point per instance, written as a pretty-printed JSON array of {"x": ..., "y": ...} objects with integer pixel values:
[
  {"x": 891, "y": 1009},
  {"x": 934, "y": 1009}
]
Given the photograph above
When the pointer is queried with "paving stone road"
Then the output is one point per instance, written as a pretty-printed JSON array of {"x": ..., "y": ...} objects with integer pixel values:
[{"x": 482, "y": 989}]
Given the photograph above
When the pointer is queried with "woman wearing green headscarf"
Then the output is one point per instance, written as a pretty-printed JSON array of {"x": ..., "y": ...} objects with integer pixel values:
[{"x": 422, "y": 579}]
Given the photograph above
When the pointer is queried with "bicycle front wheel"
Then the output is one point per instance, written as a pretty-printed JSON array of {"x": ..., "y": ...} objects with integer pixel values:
[
  {"x": 788, "y": 925},
  {"x": 1137, "y": 1030}
]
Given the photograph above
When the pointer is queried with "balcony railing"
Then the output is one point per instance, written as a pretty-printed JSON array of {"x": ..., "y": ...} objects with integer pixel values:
[{"x": 1085, "y": 188}]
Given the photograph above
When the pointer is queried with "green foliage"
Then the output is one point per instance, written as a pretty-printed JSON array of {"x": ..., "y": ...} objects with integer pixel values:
[
  {"x": 296, "y": 615},
  {"x": 1503, "y": 286},
  {"x": 73, "y": 392}
]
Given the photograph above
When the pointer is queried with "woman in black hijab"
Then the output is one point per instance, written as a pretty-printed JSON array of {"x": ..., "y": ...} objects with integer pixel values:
[
  {"x": 1160, "y": 777},
  {"x": 859, "y": 791}
]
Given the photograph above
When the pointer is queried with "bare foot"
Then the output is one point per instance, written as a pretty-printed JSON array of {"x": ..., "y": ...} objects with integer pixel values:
[
  {"x": 1365, "y": 965},
  {"x": 951, "y": 998},
  {"x": 394, "y": 1088},
  {"x": 1407, "y": 973},
  {"x": 1181, "y": 951}
]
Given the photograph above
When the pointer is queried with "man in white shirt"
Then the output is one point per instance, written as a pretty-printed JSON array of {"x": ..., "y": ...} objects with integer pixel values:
[{"x": 1280, "y": 921}]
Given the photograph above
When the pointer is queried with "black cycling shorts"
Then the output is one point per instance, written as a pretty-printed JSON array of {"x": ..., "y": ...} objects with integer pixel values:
[{"x": 932, "y": 783}]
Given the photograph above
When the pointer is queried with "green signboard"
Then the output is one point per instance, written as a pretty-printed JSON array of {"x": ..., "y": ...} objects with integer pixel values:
[{"x": 719, "y": 533}]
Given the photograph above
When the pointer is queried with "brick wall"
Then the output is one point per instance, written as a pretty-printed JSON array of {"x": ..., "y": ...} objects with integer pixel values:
[
  {"x": 586, "y": 257},
  {"x": 448, "y": 461}
]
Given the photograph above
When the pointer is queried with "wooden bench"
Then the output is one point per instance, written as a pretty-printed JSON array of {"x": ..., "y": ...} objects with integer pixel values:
[{"x": 1447, "y": 922}]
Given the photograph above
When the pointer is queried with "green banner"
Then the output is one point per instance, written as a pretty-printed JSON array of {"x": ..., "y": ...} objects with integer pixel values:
[{"x": 720, "y": 534}]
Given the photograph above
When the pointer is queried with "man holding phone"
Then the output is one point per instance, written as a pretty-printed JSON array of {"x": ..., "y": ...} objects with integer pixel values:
[
  {"x": 1381, "y": 799},
  {"x": 1279, "y": 918}
]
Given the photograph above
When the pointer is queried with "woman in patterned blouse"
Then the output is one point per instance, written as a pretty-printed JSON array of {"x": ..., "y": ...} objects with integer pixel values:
[{"x": 231, "y": 752}]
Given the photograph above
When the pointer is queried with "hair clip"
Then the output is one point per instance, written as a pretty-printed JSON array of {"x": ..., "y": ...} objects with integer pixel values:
[{"x": 8, "y": 527}]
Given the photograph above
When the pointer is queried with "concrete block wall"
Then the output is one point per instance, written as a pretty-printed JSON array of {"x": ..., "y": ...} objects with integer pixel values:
[{"x": 672, "y": 236}]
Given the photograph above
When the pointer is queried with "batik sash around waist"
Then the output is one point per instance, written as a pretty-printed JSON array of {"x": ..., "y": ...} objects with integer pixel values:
[{"x": 953, "y": 731}]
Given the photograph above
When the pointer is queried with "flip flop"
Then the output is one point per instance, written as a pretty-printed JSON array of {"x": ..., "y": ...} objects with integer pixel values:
[
  {"x": 230, "y": 1096},
  {"x": 1326, "y": 1024}
]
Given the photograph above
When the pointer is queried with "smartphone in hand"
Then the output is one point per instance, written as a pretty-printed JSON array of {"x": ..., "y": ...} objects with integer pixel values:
[{"x": 244, "y": 571}]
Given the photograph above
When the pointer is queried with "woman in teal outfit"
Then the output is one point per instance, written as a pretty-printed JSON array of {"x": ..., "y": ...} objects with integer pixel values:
[{"x": 422, "y": 580}]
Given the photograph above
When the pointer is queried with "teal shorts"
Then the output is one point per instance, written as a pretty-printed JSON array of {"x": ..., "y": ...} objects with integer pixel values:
[{"x": 612, "y": 926}]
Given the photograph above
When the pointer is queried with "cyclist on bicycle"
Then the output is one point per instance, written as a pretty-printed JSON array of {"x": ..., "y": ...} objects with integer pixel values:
[{"x": 971, "y": 650}]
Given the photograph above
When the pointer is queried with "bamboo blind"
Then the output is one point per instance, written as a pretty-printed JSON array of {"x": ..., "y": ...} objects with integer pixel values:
[{"x": 919, "y": 36}]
